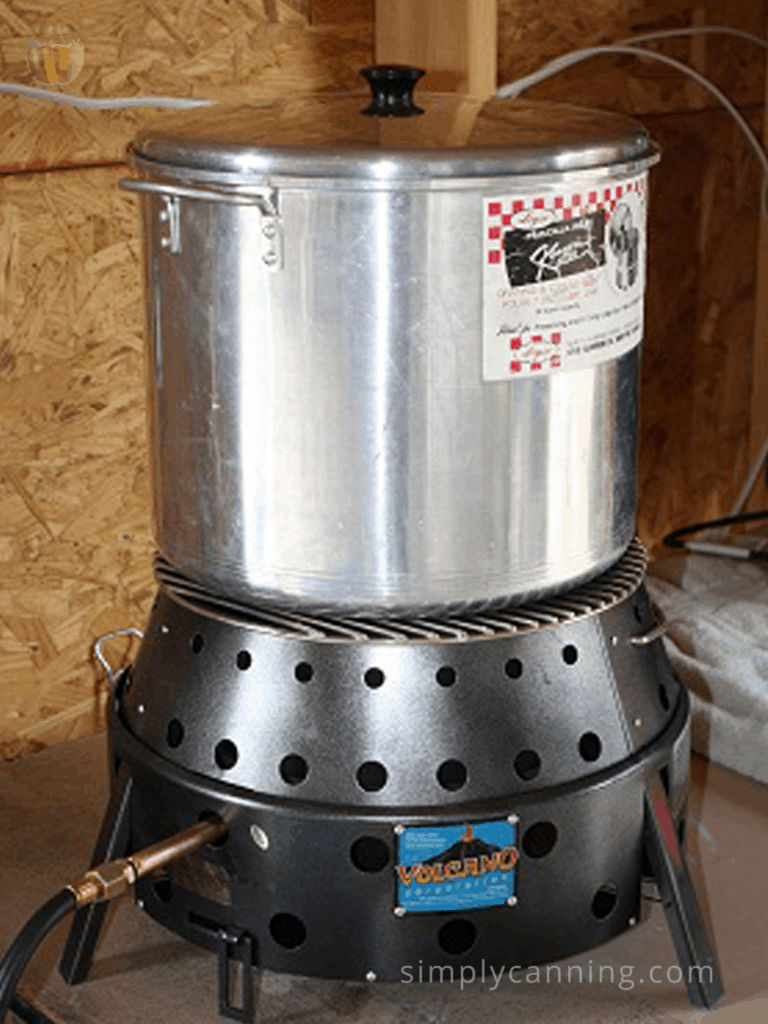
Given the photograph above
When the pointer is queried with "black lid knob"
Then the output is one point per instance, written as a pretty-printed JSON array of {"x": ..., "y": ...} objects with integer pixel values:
[{"x": 392, "y": 88}]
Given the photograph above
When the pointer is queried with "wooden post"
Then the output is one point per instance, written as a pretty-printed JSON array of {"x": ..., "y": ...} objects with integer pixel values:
[{"x": 454, "y": 41}]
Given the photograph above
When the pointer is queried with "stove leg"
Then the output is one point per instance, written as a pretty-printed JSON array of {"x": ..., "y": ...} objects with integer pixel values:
[
  {"x": 684, "y": 917},
  {"x": 236, "y": 946},
  {"x": 112, "y": 843}
]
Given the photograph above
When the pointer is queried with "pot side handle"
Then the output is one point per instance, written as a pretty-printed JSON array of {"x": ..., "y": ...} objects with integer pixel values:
[{"x": 265, "y": 199}]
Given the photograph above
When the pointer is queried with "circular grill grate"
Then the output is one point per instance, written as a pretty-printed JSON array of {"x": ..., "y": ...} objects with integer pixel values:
[{"x": 609, "y": 589}]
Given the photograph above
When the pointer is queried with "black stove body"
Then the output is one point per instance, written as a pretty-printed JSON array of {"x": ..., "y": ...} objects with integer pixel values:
[{"x": 463, "y": 793}]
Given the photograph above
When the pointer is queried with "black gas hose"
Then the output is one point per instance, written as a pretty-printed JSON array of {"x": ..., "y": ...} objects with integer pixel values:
[
  {"x": 27, "y": 942},
  {"x": 27, "y": 1012},
  {"x": 100, "y": 883}
]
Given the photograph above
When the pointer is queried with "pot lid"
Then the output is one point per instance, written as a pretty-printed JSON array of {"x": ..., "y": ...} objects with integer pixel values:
[{"x": 393, "y": 136}]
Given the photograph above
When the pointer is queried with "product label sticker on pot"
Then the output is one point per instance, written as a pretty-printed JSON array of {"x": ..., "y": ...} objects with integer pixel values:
[
  {"x": 456, "y": 867},
  {"x": 564, "y": 277}
]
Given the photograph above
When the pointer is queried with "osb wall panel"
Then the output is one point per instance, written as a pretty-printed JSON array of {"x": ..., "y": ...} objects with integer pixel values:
[
  {"x": 75, "y": 547},
  {"x": 700, "y": 309}
]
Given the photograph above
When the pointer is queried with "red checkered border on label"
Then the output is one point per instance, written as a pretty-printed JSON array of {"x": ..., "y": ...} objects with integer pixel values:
[{"x": 575, "y": 204}]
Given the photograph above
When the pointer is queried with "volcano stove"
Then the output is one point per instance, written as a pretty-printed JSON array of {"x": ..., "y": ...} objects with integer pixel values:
[{"x": 489, "y": 788}]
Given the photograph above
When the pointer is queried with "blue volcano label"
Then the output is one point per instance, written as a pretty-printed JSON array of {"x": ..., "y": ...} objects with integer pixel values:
[{"x": 456, "y": 867}]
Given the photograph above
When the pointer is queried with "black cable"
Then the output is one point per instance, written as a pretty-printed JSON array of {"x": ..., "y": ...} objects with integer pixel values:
[
  {"x": 675, "y": 538},
  {"x": 28, "y": 1013},
  {"x": 27, "y": 941}
]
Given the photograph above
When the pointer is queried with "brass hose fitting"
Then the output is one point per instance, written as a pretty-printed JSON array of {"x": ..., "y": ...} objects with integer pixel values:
[{"x": 109, "y": 880}]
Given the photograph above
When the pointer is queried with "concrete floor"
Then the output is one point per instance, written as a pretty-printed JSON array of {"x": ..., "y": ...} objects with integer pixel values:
[{"x": 51, "y": 805}]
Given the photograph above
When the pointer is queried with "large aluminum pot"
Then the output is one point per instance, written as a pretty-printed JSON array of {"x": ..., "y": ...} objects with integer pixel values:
[{"x": 394, "y": 361}]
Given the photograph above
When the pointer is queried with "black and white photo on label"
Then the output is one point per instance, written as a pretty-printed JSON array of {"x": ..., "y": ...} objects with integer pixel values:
[{"x": 624, "y": 242}]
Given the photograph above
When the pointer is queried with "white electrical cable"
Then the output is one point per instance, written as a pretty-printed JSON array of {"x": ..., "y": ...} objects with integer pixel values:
[
  {"x": 514, "y": 89},
  {"x": 705, "y": 547},
  {"x": 749, "y": 483},
  {"x": 699, "y": 30},
  {"x": 565, "y": 61},
  {"x": 87, "y": 103}
]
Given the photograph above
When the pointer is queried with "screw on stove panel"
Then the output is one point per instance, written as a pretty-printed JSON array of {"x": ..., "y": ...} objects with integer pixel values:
[
  {"x": 657, "y": 630},
  {"x": 260, "y": 837}
]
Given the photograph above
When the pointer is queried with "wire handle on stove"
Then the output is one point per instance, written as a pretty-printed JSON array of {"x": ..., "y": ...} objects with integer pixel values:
[
  {"x": 100, "y": 656},
  {"x": 657, "y": 630}
]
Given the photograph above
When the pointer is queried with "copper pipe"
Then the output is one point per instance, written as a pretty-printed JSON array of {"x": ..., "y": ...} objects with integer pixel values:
[{"x": 109, "y": 880}]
